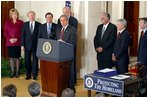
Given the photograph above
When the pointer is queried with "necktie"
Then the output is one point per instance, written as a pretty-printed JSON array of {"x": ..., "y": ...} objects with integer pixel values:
[
  {"x": 103, "y": 30},
  {"x": 49, "y": 29},
  {"x": 62, "y": 33},
  {"x": 142, "y": 34},
  {"x": 31, "y": 28},
  {"x": 118, "y": 35}
]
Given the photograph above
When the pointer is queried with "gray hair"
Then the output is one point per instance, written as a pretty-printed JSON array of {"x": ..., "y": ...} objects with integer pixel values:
[
  {"x": 100, "y": 95},
  {"x": 68, "y": 93},
  {"x": 123, "y": 21},
  {"x": 64, "y": 17},
  {"x": 34, "y": 89},
  {"x": 10, "y": 90},
  {"x": 106, "y": 14},
  {"x": 66, "y": 7},
  {"x": 31, "y": 12}
]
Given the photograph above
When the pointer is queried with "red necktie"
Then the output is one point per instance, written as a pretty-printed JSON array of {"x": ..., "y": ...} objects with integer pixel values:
[
  {"x": 62, "y": 33},
  {"x": 118, "y": 35},
  {"x": 142, "y": 34}
]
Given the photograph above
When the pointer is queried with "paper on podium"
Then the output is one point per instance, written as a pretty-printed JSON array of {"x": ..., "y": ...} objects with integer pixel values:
[
  {"x": 120, "y": 77},
  {"x": 60, "y": 40}
]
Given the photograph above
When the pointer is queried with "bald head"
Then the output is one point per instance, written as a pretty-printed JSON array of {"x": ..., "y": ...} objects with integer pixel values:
[{"x": 66, "y": 11}]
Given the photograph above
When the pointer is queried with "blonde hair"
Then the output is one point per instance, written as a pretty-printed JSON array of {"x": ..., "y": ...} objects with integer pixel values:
[{"x": 13, "y": 11}]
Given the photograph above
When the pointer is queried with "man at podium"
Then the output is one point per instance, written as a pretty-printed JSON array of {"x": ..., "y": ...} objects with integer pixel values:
[{"x": 67, "y": 34}]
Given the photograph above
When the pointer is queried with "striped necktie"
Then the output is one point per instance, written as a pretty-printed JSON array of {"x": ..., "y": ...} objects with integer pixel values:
[
  {"x": 62, "y": 33},
  {"x": 103, "y": 30},
  {"x": 49, "y": 29},
  {"x": 31, "y": 28}
]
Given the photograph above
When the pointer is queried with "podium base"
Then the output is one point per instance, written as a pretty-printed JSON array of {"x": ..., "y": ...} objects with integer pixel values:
[
  {"x": 48, "y": 94},
  {"x": 54, "y": 77}
]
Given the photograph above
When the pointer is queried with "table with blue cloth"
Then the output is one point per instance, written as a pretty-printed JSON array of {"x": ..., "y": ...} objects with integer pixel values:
[{"x": 114, "y": 87}]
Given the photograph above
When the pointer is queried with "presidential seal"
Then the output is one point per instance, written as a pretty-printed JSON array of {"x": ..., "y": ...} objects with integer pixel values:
[
  {"x": 47, "y": 47},
  {"x": 89, "y": 82}
]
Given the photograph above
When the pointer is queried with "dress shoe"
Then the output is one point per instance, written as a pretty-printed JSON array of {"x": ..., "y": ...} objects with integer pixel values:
[
  {"x": 34, "y": 78},
  {"x": 17, "y": 76},
  {"x": 27, "y": 78},
  {"x": 12, "y": 75}
]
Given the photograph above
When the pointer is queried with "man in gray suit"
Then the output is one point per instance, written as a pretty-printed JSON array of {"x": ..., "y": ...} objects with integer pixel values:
[{"x": 67, "y": 34}]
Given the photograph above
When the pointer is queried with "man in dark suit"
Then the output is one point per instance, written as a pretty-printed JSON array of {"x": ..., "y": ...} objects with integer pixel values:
[
  {"x": 142, "y": 56},
  {"x": 104, "y": 41},
  {"x": 74, "y": 23},
  {"x": 142, "y": 49},
  {"x": 71, "y": 20},
  {"x": 47, "y": 30},
  {"x": 120, "y": 51},
  {"x": 67, "y": 34},
  {"x": 29, "y": 39}
]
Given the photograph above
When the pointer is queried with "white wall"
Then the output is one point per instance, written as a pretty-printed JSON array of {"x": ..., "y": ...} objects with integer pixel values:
[
  {"x": 80, "y": 11},
  {"x": 40, "y": 8},
  {"x": 143, "y": 9},
  {"x": 117, "y": 11},
  {"x": 95, "y": 8}
]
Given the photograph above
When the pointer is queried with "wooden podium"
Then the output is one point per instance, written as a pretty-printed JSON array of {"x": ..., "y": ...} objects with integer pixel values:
[{"x": 54, "y": 66}]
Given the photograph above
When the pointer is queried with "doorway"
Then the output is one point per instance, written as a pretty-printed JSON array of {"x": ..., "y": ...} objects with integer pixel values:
[
  {"x": 131, "y": 14},
  {"x": 5, "y": 7}
]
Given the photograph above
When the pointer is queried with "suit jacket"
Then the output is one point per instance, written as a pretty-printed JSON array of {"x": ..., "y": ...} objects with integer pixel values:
[
  {"x": 121, "y": 49},
  {"x": 69, "y": 36},
  {"x": 28, "y": 40},
  {"x": 106, "y": 43},
  {"x": 12, "y": 30},
  {"x": 72, "y": 21},
  {"x": 142, "y": 49},
  {"x": 43, "y": 31}
]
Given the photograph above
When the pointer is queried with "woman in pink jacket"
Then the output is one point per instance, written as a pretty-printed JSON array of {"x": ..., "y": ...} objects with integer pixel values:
[{"x": 12, "y": 33}]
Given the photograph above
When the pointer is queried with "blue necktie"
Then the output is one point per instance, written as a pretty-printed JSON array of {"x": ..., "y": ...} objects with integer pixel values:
[
  {"x": 49, "y": 29},
  {"x": 103, "y": 30}
]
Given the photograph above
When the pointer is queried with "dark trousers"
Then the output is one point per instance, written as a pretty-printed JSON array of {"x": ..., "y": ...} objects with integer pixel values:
[
  {"x": 72, "y": 76},
  {"x": 74, "y": 64},
  {"x": 104, "y": 64},
  {"x": 73, "y": 72},
  {"x": 121, "y": 67},
  {"x": 31, "y": 67}
]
